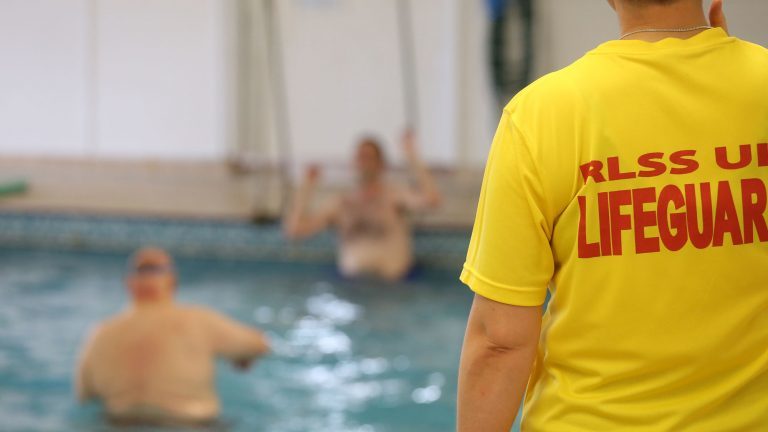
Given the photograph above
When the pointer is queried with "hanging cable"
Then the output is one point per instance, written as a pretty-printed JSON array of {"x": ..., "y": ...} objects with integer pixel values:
[
  {"x": 408, "y": 63},
  {"x": 280, "y": 101}
]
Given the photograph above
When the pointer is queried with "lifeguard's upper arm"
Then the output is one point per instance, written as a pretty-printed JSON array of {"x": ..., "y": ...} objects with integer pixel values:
[
  {"x": 509, "y": 258},
  {"x": 504, "y": 327}
]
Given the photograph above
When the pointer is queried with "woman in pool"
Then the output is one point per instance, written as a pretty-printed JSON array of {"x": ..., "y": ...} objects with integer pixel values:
[{"x": 371, "y": 218}]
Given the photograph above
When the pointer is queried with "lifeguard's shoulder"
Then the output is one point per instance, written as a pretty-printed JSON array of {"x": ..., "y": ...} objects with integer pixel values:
[
  {"x": 752, "y": 46},
  {"x": 756, "y": 55},
  {"x": 553, "y": 93}
]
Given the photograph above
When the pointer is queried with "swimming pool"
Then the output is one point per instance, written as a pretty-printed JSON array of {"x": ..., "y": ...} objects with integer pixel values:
[{"x": 348, "y": 356}]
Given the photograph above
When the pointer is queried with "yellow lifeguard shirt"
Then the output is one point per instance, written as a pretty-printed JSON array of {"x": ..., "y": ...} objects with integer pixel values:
[{"x": 632, "y": 186}]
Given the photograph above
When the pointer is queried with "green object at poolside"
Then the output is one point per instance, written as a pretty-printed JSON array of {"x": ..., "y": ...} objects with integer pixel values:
[{"x": 13, "y": 187}]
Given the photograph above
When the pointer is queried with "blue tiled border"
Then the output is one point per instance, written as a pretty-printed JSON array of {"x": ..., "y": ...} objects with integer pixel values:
[{"x": 200, "y": 239}]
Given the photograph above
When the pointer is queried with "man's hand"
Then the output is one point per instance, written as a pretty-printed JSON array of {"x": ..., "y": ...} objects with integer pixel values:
[
  {"x": 242, "y": 364},
  {"x": 717, "y": 16}
]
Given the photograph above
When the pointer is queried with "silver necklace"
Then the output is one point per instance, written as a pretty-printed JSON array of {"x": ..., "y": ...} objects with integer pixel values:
[{"x": 675, "y": 30}]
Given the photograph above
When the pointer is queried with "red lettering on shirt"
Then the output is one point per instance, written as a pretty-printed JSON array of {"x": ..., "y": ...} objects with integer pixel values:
[
  {"x": 674, "y": 216},
  {"x": 684, "y": 159},
  {"x": 745, "y": 158},
  {"x": 592, "y": 169}
]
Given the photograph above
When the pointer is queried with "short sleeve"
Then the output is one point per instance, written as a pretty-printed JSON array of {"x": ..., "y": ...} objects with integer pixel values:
[{"x": 510, "y": 258}]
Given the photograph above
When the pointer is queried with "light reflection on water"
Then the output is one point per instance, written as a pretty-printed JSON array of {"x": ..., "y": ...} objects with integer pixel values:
[
  {"x": 347, "y": 357},
  {"x": 346, "y": 383}
]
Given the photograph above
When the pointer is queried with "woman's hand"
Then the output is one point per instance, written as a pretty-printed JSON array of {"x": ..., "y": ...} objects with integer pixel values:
[{"x": 409, "y": 144}]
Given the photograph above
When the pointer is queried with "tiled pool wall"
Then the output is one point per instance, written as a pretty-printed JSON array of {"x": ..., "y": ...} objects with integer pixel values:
[{"x": 434, "y": 249}]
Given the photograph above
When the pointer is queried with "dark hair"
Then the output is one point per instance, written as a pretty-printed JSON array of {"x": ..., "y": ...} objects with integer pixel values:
[{"x": 375, "y": 144}]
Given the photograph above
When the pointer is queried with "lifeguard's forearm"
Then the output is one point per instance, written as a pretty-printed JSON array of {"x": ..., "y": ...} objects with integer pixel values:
[{"x": 492, "y": 382}]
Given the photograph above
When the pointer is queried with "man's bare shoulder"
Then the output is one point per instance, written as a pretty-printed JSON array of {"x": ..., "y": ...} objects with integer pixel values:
[
  {"x": 106, "y": 329},
  {"x": 111, "y": 323},
  {"x": 208, "y": 320}
]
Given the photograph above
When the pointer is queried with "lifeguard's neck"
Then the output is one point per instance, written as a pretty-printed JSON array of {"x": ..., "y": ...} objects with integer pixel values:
[{"x": 678, "y": 15}]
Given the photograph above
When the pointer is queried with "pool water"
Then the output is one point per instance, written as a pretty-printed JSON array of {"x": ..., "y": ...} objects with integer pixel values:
[{"x": 363, "y": 356}]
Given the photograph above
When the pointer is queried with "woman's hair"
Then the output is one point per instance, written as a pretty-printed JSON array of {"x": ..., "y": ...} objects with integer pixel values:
[{"x": 375, "y": 144}]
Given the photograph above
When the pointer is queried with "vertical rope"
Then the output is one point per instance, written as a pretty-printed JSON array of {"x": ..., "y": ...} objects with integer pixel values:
[
  {"x": 408, "y": 63},
  {"x": 92, "y": 81},
  {"x": 280, "y": 101}
]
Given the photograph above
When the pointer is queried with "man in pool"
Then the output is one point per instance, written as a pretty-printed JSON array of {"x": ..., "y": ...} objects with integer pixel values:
[
  {"x": 632, "y": 184},
  {"x": 371, "y": 219},
  {"x": 154, "y": 362}
]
